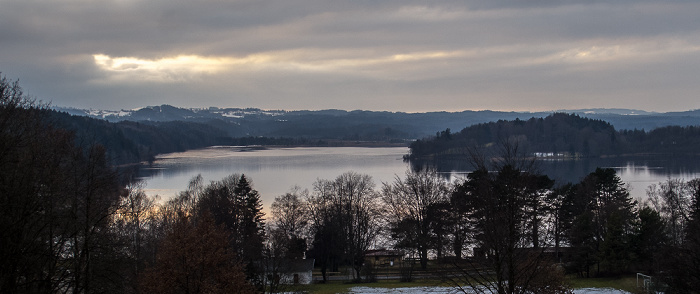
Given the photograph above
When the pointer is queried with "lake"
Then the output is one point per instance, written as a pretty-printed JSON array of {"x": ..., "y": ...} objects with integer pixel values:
[
  {"x": 638, "y": 172},
  {"x": 274, "y": 171}
]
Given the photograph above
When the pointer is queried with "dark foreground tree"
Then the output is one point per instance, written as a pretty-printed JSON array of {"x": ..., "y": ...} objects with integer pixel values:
[
  {"x": 195, "y": 257},
  {"x": 650, "y": 241},
  {"x": 412, "y": 209},
  {"x": 56, "y": 204},
  {"x": 345, "y": 220},
  {"x": 290, "y": 220},
  {"x": 501, "y": 198},
  {"x": 233, "y": 203},
  {"x": 134, "y": 235},
  {"x": 678, "y": 204},
  {"x": 252, "y": 227},
  {"x": 603, "y": 230},
  {"x": 690, "y": 276}
]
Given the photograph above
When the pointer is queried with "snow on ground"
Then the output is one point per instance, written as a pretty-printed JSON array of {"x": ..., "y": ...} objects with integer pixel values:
[
  {"x": 449, "y": 290},
  {"x": 407, "y": 290}
]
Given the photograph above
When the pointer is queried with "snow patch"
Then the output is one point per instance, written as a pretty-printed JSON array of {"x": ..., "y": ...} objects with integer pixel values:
[{"x": 232, "y": 115}]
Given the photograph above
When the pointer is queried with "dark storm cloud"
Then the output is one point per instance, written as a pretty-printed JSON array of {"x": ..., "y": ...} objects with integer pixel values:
[{"x": 390, "y": 55}]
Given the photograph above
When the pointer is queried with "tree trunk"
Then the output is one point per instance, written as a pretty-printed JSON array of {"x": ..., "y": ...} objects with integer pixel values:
[{"x": 424, "y": 258}]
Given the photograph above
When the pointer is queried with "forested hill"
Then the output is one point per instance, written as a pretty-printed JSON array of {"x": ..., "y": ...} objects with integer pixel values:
[
  {"x": 563, "y": 134},
  {"x": 368, "y": 125},
  {"x": 132, "y": 142},
  {"x": 138, "y": 135}
]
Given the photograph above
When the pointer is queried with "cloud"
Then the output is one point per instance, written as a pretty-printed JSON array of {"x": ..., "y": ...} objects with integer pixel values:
[
  {"x": 191, "y": 67},
  {"x": 388, "y": 55},
  {"x": 173, "y": 69}
]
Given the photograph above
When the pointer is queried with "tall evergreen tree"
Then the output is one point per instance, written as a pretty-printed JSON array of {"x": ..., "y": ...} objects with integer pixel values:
[
  {"x": 252, "y": 227},
  {"x": 234, "y": 203},
  {"x": 650, "y": 240},
  {"x": 604, "y": 228}
]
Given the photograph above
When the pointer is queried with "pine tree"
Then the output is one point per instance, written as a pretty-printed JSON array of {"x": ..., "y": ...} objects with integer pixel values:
[
  {"x": 252, "y": 227},
  {"x": 609, "y": 215}
]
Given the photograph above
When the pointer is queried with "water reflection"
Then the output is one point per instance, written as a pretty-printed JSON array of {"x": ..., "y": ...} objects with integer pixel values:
[
  {"x": 638, "y": 172},
  {"x": 274, "y": 171}
]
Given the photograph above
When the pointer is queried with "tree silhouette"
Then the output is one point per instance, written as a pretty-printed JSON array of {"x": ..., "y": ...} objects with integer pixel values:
[
  {"x": 57, "y": 200},
  {"x": 412, "y": 206},
  {"x": 290, "y": 220},
  {"x": 499, "y": 199},
  {"x": 602, "y": 231},
  {"x": 345, "y": 220},
  {"x": 196, "y": 257}
]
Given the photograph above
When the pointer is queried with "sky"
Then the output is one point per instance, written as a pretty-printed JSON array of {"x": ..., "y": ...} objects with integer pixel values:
[{"x": 408, "y": 56}]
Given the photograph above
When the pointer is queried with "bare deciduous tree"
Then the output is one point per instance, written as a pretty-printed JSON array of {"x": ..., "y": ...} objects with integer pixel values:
[
  {"x": 290, "y": 220},
  {"x": 409, "y": 203},
  {"x": 345, "y": 212}
]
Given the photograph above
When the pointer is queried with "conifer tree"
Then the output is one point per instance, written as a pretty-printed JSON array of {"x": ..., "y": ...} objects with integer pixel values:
[
  {"x": 603, "y": 230},
  {"x": 252, "y": 227}
]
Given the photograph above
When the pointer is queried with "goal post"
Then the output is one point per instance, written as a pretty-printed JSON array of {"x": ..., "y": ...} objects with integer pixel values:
[{"x": 645, "y": 281}]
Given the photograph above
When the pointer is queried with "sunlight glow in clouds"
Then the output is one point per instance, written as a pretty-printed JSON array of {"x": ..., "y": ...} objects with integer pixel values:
[
  {"x": 185, "y": 67},
  {"x": 356, "y": 61},
  {"x": 165, "y": 69}
]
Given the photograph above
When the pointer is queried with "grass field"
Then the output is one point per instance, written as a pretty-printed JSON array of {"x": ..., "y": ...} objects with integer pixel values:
[{"x": 627, "y": 283}]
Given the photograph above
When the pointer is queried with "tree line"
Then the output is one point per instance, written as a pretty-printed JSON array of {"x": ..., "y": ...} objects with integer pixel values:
[{"x": 563, "y": 135}]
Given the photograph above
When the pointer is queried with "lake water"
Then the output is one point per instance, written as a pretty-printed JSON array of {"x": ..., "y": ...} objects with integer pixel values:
[
  {"x": 638, "y": 172},
  {"x": 274, "y": 171}
]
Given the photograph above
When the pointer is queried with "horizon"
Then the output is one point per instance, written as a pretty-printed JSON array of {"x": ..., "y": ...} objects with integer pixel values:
[{"x": 609, "y": 110}]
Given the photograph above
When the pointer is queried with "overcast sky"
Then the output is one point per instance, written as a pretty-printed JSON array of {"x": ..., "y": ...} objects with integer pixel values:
[{"x": 413, "y": 56}]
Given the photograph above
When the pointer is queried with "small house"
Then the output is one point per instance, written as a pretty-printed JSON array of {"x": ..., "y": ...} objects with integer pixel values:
[{"x": 383, "y": 257}]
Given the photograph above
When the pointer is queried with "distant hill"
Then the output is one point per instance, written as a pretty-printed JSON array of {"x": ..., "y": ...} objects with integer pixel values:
[
  {"x": 560, "y": 134},
  {"x": 368, "y": 125},
  {"x": 139, "y": 135},
  {"x": 131, "y": 142}
]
